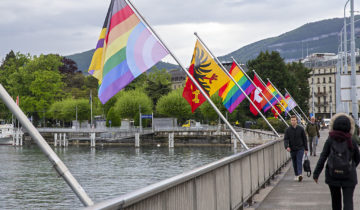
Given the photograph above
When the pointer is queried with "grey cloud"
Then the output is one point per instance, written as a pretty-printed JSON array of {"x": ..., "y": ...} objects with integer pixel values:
[
  {"x": 71, "y": 26},
  {"x": 161, "y": 12}
]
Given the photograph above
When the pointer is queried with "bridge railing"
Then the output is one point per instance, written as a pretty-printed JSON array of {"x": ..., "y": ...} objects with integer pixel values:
[
  {"x": 225, "y": 184},
  {"x": 89, "y": 130}
]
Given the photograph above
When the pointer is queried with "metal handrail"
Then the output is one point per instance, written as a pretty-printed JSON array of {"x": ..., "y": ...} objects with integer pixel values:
[{"x": 146, "y": 192}]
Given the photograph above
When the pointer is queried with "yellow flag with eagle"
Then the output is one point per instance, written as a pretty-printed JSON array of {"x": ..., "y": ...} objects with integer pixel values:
[{"x": 207, "y": 74}]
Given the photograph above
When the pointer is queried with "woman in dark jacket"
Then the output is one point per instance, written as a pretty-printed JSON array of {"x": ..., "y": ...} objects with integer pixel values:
[{"x": 341, "y": 129}]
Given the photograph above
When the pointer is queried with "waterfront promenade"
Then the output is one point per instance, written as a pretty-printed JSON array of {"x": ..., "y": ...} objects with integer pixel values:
[{"x": 289, "y": 194}]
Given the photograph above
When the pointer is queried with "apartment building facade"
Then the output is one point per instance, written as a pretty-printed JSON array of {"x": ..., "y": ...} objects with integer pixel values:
[{"x": 322, "y": 83}]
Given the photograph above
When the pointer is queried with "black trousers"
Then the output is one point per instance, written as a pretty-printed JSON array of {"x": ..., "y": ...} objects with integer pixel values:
[{"x": 347, "y": 192}]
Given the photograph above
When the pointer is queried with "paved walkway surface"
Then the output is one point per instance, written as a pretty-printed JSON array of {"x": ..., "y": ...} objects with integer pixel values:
[{"x": 307, "y": 195}]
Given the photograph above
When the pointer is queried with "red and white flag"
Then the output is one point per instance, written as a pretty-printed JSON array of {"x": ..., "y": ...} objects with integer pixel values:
[{"x": 256, "y": 96}]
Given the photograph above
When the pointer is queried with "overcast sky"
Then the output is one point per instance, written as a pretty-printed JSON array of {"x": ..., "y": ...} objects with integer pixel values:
[{"x": 67, "y": 26}]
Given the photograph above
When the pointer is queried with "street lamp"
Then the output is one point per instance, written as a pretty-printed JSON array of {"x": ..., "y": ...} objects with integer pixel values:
[
  {"x": 313, "y": 108},
  {"x": 355, "y": 108},
  {"x": 345, "y": 39}
]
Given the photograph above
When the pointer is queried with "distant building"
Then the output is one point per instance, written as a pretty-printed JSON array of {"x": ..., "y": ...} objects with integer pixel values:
[
  {"x": 178, "y": 78},
  {"x": 322, "y": 82}
]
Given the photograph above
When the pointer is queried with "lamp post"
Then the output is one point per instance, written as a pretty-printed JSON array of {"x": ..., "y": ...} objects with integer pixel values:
[
  {"x": 355, "y": 108},
  {"x": 313, "y": 87},
  {"x": 338, "y": 85},
  {"x": 345, "y": 39}
]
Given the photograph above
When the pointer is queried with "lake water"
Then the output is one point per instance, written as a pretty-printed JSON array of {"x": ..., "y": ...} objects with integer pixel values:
[{"x": 27, "y": 180}]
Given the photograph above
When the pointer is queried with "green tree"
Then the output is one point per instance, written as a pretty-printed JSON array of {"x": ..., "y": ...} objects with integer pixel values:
[
  {"x": 109, "y": 105},
  {"x": 208, "y": 111},
  {"x": 77, "y": 85},
  {"x": 278, "y": 125},
  {"x": 129, "y": 102},
  {"x": 45, "y": 89},
  {"x": 55, "y": 111},
  {"x": 158, "y": 84},
  {"x": 174, "y": 105},
  {"x": 272, "y": 66},
  {"x": 9, "y": 65},
  {"x": 241, "y": 113},
  {"x": 138, "y": 83},
  {"x": 66, "y": 109},
  {"x": 300, "y": 91},
  {"x": 38, "y": 83},
  {"x": 114, "y": 117}
]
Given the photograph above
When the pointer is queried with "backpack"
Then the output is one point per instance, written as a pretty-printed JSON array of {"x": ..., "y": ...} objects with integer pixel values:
[
  {"x": 340, "y": 162},
  {"x": 306, "y": 166}
]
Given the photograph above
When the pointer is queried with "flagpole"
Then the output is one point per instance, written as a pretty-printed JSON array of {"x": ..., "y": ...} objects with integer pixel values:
[
  {"x": 280, "y": 95},
  {"x": 232, "y": 78},
  {"x": 55, "y": 161},
  {"x": 294, "y": 111},
  {"x": 260, "y": 92},
  {"x": 273, "y": 95},
  {"x": 297, "y": 105},
  {"x": 270, "y": 90},
  {"x": 76, "y": 113},
  {"x": 91, "y": 114},
  {"x": 299, "y": 108},
  {"x": 189, "y": 76}
]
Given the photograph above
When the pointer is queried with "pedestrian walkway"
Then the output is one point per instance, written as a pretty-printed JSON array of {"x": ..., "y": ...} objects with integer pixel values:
[{"x": 307, "y": 195}]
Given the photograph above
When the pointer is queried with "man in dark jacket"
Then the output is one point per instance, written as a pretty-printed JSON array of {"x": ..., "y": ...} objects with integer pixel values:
[
  {"x": 295, "y": 142},
  {"x": 342, "y": 127},
  {"x": 312, "y": 130}
]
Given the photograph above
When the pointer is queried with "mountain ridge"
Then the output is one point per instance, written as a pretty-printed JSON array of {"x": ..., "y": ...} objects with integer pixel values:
[
  {"x": 315, "y": 37},
  {"x": 83, "y": 61}
]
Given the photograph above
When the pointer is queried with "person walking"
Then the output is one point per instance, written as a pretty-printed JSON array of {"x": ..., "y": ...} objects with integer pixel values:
[
  {"x": 342, "y": 155},
  {"x": 312, "y": 130},
  {"x": 295, "y": 142}
]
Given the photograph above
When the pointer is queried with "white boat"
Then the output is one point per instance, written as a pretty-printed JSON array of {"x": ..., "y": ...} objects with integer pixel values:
[{"x": 6, "y": 134}]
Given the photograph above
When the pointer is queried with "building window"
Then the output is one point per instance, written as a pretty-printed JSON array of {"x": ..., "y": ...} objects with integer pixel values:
[
  {"x": 324, "y": 99},
  {"x": 318, "y": 99},
  {"x": 324, "y": 81},
  {"x": 324, "y": 108},
  {"x": 318, "y": 89},
  {"x": 330, "y": 89},
  {"x": 318, "y": 80},
  {"x": 329, "y": 79},
  {"x": 319, "y": 109},
  {"x": 324, "y": 88},
  {"x": 330, "y": 98}
]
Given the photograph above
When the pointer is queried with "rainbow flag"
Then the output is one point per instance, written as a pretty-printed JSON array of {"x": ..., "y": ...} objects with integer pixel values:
[
  {"x": 125, "y": 49},
  {"x": 291, "y": 103},
  {"x": 230, "y": 93},
  {"x": 275, "y": 95}
]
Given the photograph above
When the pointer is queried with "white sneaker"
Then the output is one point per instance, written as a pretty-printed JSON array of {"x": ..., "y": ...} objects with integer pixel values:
[{"x": 296, "y": 178}]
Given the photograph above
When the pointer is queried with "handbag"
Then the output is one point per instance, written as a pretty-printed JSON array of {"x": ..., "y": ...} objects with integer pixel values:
[{"x": 306, "y": 166}]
